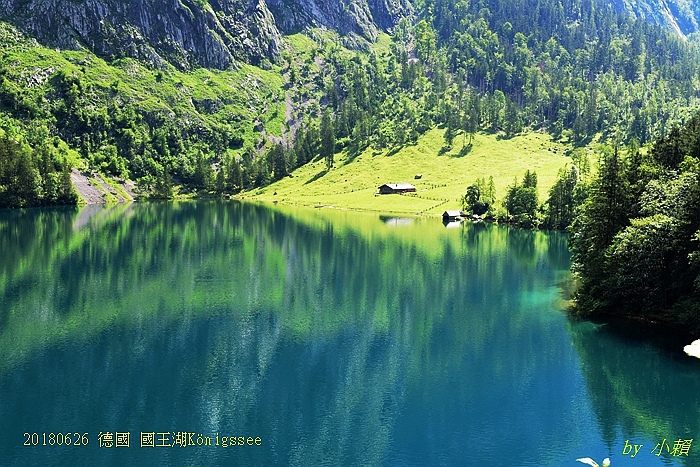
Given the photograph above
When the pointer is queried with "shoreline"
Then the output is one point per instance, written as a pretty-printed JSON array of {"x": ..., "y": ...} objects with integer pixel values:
[{"x": 644, "y": 323}]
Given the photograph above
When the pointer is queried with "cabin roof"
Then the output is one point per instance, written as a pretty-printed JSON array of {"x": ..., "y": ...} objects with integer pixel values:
[
  {"x": 452, "y": 213},
  {"x": 400, "y": 186}
]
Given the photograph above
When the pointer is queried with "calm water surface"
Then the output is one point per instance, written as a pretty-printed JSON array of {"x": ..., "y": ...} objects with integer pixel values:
[{"x": 336, "y": 338}]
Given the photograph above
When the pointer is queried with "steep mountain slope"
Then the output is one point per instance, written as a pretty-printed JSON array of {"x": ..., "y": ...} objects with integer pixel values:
[
  {"x": 186, "y": 33},
  {"x": 572, "y": 68},
  {"x": 216, "y": 33},
  {"x": 193, "y": 33},
  {"x": 348, "y": 17},
  {"x": 680, "y": 15}
]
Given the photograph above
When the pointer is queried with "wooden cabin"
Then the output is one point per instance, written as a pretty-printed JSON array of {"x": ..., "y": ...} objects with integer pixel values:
[
  {"x": 394, "y": 188},
  {"x": 452, "y": 215}
]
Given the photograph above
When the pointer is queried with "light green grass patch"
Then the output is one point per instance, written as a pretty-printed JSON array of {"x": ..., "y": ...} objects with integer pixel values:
[
  {"x": 352, "y": 182},
  {"x": 300, "y": 43},
  {"x": 117, "y": 187}
]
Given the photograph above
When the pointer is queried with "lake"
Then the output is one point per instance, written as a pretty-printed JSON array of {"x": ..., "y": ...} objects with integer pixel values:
[{"x": 228, "y": 333}]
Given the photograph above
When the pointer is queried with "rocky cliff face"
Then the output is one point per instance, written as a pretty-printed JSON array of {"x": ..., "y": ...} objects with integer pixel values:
[
  {"x": 349, "y": 17},
  {"x": 683, "y": 16},
  {"x": 191, "y": 33},
  {"x": 184, "y": 32}
]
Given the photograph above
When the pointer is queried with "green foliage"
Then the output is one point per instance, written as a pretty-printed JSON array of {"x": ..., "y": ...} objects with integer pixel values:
[
  {"x": 32, "y": 177},
  {"x": 645, "y": 249},
  {"x": 594, "y": 75},
  {"x": 163, "y": 187},
  {"x": 601, "y": 217},
  {"x": 278, "y": 158},
  {"x": 426, "y": 42},
  {"x": 327, "y": 139},
  {"x": 128, "y": 121},
  {"x": 579, "y": 157},
  {"x": 462, "y": 66},
  {"x": 203, "y": 177},
  {"x": 472, "y": 198},
  {"x": 669, "y": 151},
  {"x": 521, "y": 201},
  {"x": 480, "y": 197},
  {"x": 634, "y": 242},
  {"x": 530, "y": 179},
  {"x": 564, "y": 198}
]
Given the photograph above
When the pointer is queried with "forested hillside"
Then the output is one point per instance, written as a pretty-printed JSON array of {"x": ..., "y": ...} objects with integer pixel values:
[
  {"x": 635, "y": 241},
  {"x": 574, "y": 68}
]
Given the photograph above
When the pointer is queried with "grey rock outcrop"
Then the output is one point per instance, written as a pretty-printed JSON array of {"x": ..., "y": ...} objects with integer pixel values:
[
  {"x": 682, "y": 16},
  {"x": 192, "y": 33},
  {"x": 361, "y": 17},
  {"x": 187, "y": 33}
]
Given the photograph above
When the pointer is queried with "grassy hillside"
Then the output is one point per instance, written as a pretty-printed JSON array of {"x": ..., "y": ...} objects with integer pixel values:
[
  {"x": 61, "y": 109},
  {"x": 352, "y": 182},
  {"x": 203, "y": 97},
  {"x": 214, "y": 133}
]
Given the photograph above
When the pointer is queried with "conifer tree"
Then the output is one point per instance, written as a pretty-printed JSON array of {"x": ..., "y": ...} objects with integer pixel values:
[{"x": 327, "y": 139}]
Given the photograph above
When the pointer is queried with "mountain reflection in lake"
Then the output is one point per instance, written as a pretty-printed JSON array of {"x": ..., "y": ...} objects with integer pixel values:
[{"x": 333, "y": 337}]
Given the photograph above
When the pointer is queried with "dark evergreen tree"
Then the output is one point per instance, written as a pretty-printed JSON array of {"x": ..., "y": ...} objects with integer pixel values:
[
  {"x": 564, "y": 197},
  {"x": 278, "y": 158},
  {"x": 327, "y": 139}
]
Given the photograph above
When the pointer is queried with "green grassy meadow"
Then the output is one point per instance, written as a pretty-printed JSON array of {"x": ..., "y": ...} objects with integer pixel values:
[
  {"x": 246, "y": 97},
  {"x": 352, "y": 182}
]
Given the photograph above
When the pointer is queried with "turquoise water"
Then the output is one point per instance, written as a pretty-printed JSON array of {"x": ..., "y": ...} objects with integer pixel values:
[{"x": 315, "y": 337}]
